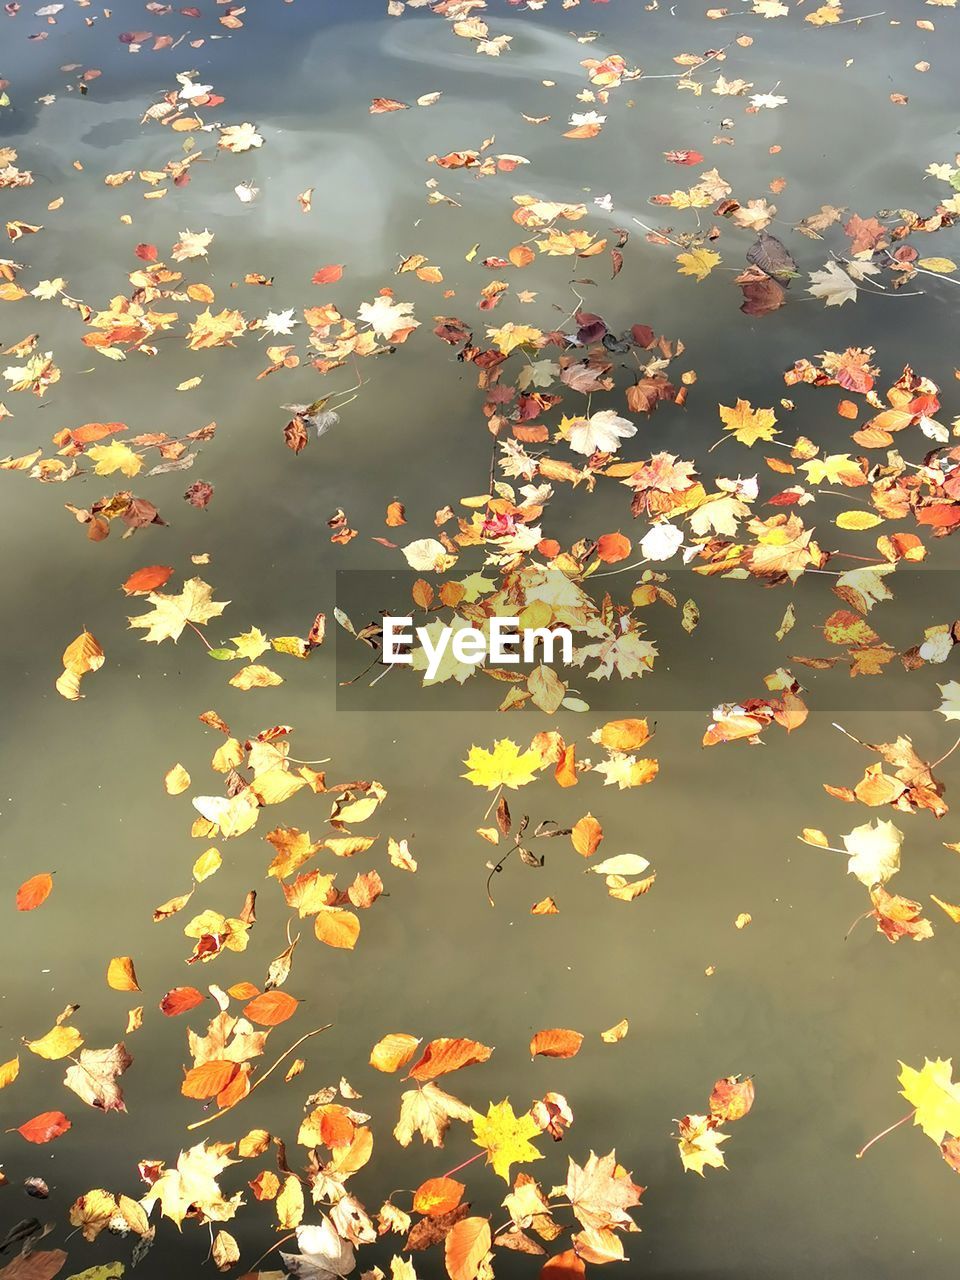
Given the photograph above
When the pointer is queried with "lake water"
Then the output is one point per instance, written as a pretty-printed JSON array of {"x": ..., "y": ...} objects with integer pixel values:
[{"x": 819, "y": 1019}]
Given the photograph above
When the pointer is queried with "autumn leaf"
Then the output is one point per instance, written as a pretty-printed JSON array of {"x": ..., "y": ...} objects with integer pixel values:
[
  {"x": 59, "y": 1042},
  {"x": 586, "y": 835},
  {"x": 437, "y": 1196},
  {"x": 81, "y": 656},
  {"x": 428, "y": 1112},
  {"x": 506, "y": 1137},
  {"x": 465, "y": 1248},
  {"x": 181, "y": 1000},
  {"x": 601, "y": 1191},
  {"x": 9, "y": 1072},
  {"x": 504, "y": 766},
  {"x": 393, "y": 1051},
  {"x": 748, "y": 425},
  {"x": 121, "y": 975},
  {"x": 45, "y": 1127},
  {"x": 699, "y": 1144},
  {"x": 93, "y": 1077},
  {"x": 172, "y": 613},
  {"x": 698, "y": 263},
  {"x": 556, "y": 1043},
  {"x": 934, "y": 1095},
  {"x": 34, "y": 892},
  {"x": 442, "y": 1056},
  {"x": 271, "y": 1008}
]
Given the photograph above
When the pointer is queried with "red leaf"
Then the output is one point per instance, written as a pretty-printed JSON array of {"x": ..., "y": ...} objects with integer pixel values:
[
  {"x": 44, "y": 1127},
  {"x": 179, "y": 1000},
  {"x": 146, "y": 252},
  {"x": 329, "y": 274},
  {"x": 35, "y": 891},
  {"x": 147, "y": 579}
]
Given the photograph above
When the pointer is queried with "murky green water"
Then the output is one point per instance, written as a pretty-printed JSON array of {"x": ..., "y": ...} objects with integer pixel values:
[{"x": 820, "y": 1022}]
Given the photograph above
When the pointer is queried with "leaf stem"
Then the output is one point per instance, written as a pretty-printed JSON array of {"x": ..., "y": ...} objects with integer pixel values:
[{"x": 863, "y": 1150}]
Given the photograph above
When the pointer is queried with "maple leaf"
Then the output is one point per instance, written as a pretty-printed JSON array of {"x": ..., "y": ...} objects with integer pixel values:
[
  {"x": 504, "y": 766},
  {"x": 93, "y": 1077},
  {"x": 626, "y": 653},
  {"x": 755, "y": 215},
  {"x": 747, "y": 424},
  {"x": 192, "y": 1186},
  {"x": 192, "y": 244},
  {"x": 510, "y": 336},
  {"x": 172, "y": 613},
  {"x": 602, "y": 430},
  {"x": 698, "y": 263},
  {"x": 898, "y": 917},
  {"x": 934, "y": 1095},
  {"x": 601, "y": 1192},
  {"x": 239, "y": 137},
  {"x": 699, "y": 1144},
  {"x": 209, "y": 330},
  {"x": 506, "y": 1137},
  {"x": 428, "y": 1111},
  {"x": 833, "y": 285},
  {"x": 390, "y": 320}
]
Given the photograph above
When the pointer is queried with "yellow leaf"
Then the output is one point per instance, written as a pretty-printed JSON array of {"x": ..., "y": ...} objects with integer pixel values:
[
  {"x": 115, "y": 456},
  {"x": 504, "y": 766},
  {"x": 290, "y": 1203},
  {"x": 506, "y": 1137},
  {"x": 935, "y": 1096},
  {"x": 206, "y": 865},
  {"x": 952, "y": 911},
  {"x": 255, "y": 677},
  {"x": 121, "y": 975},
  {"x": 176, "y": 780},
  {"x": 57, "y": 1043},
  {"x": 942, "y": 265},
  {"x": 857, "y": 520},
  {"x": 748, "y": 424},
  {"x": 512, "y": 335},
  {"x": 80, "y": 657},
  {"x": 172, "y": 613},
  {"x": 9, "y": 1072},
  {"x": 698, "y": 262},
  {"x": 700, "y": 1144}
]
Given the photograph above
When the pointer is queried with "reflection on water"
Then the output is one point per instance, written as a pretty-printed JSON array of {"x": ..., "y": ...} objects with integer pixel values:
[{"x": 818, "y": 1020}]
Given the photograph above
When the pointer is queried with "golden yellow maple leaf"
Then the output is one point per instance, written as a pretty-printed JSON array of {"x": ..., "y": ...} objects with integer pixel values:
[
  {"x": 698, "y": 262},
  {"x": 511, "y": 335},
  {"x": 171, "y": 614},
  {"x": 251, "y": 644},
  {"x": 504, "y": 766},
  {"x": 935, "y": 1096},
  {"x": 115, "y": 456},
  {"x": 506, "y": 1137},
  {"x": 748, "y": 424}
]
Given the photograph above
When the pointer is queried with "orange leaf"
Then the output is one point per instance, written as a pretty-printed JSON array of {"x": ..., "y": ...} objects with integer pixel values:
[
  {"x": 521, "y": 255},
  {"x": 612, "y": 547},
  {"x": 236, "y": 1089},
  {"x": 329, "y": 274},
  {"x": 586, "y": 835},
  {"x": 209, "y": 1079},
  {"x": 270, "y": 1009},
  {"x": 44, "y": 1127},
  {"x": 556, "y": 1043},
  {"x": 243, "y": 991},
  {"x": 437, "y": 1196},
  {"x": 566, "y": 770},
  {"x": 563, "y": 1266},
  {"x": 121, "y": 975},
  {"x": 442, "y": 1056},
  {"x": 466, "y": 1245},
  {"x": 149, "y": 579},
  {"x": 34, "y": 892},
  {"x": 393, "y": 1051},
  {"x": 180, "y": 999}
]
